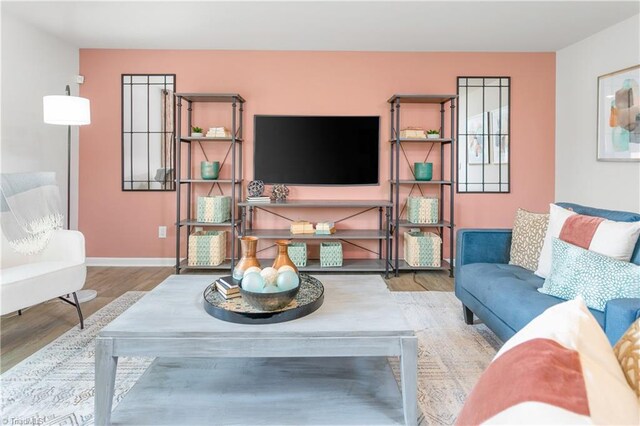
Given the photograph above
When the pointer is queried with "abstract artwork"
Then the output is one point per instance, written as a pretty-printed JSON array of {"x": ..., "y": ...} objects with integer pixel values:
[{"x": 619, "y": 115}]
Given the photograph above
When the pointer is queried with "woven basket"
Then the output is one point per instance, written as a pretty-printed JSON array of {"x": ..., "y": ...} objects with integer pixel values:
[
  {"x": 207, "y": 248},
  {"x": 422, "y": 249},
  {"x": 330, "y": 254},
  {"x": 422, "y": 210},
  {"x": 298, "y": 254},
  {"x": 216, "y": 209}
]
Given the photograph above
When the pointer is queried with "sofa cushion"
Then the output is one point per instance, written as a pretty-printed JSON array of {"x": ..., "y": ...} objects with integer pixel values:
[
  {"x": 529, "y": 230},
  {"x": 510, "y": 292},
  {"x": 32, "y": 270},
  {"x": 627, "y": 350}
]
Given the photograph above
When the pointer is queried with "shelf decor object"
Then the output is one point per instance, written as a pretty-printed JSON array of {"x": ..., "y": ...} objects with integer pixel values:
[
  {"x": 298, "y": 254},
  {"x": 308, "y": 299},
  {"x": 255, "y": 188},
  {"x": 279, "y": 193},
  {"x": 218, "y": 211},
  {"x": 422, "y": 210},
  {"x": 423, "y": 171},
  {"x": 207, "y": 248},
  {"x": 429, "y": 203},
  {"x": 422, "y": 249},
  {"x": 330, "y": 254},
  {"x": 209, "y": 170}
]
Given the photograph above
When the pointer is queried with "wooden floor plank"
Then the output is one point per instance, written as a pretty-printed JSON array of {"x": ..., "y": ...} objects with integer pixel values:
[{"x": 21, "y": 336}]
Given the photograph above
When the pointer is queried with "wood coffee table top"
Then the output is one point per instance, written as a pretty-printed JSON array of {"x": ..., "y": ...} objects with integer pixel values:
[{"x": 354, "y": 306}]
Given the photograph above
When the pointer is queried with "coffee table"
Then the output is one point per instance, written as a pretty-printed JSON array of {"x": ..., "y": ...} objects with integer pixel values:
[{"x": 329, "y": 367}]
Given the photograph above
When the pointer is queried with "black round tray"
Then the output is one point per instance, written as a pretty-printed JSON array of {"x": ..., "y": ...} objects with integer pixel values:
[{"x": 309, "y": 298}]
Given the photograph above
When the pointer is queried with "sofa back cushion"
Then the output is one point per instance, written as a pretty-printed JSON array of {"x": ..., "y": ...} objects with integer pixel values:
[
  {"x": 618, "y": 216},
  {"x": 529, "y": 230}
]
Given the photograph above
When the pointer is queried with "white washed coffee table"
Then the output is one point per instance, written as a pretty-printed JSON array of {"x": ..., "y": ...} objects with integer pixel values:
[{"x": 327, "y": 368}]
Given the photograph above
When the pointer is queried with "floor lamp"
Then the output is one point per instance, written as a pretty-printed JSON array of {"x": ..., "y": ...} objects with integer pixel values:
[{"x": 69, "y": 111}]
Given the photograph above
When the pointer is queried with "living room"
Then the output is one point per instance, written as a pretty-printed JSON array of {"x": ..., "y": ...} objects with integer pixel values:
[{"x": 426, "y": 190}]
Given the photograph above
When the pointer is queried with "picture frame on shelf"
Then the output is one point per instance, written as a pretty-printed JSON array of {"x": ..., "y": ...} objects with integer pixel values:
[{"x": 618, "y": 126}]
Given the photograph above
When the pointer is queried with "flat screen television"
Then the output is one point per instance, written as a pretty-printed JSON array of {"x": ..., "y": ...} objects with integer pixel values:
[{"x": 316, "y": 150}]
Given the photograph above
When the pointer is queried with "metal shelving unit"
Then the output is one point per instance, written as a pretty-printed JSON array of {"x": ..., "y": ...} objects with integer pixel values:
[
  {"x": 445, "y": 226},
  {"x": 382, "y": 234},
  {"x": 187, "y": 222}
]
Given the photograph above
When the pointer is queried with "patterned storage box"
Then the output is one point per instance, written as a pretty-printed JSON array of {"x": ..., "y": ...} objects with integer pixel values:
[
  {"x": 330, "y": 254},
  {"x": 207, "y": 248},
  {"x": 422, "y": 249},
  {"x": 216, "y": 209},
  {"x": 422, "y": 210},
  {"x": 298, "y": 254}
]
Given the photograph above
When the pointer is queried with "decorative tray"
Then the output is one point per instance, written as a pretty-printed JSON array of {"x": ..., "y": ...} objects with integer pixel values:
[{"x": 309, "y": 299}]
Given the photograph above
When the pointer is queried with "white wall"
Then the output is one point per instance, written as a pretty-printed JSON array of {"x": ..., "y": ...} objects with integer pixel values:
[
  {"x": 579, "y": 177},
  {"x": 35, "y": 64}
]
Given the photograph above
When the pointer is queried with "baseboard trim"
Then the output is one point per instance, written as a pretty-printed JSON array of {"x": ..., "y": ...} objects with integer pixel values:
[{"x": 131, "y": 261}]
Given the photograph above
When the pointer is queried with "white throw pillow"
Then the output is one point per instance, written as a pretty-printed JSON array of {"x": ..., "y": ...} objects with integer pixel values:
[{"x": 611, "y": 238}]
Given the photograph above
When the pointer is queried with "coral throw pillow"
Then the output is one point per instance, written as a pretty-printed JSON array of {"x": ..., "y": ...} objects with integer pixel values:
[
  {"x": 607, "y": 237},
  {"x": 529, "y": 230},
  {"x": 559, "y": 369}
]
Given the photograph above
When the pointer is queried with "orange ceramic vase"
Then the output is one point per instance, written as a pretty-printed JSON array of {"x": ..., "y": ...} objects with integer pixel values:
[
  {"x": 249, "y": 246},
  {"x": 283, "y": 258}
]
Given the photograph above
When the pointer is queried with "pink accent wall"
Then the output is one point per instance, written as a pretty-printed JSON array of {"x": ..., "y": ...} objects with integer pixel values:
[{"x": 125, "y": 224}]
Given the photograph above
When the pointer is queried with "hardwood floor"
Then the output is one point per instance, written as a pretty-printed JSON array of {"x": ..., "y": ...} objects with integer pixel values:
[{"x": 21, "y": 336}]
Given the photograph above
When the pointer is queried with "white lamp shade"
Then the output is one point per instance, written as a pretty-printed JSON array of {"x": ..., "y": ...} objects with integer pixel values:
[{"x": 66, "y": 110}]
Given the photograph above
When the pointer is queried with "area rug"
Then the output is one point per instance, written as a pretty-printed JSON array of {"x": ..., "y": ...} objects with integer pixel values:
[{"x": 55, "y": 386}]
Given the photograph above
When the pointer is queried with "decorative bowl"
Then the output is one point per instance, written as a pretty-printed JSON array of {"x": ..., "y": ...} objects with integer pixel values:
[{"x": 269, "y": 301}]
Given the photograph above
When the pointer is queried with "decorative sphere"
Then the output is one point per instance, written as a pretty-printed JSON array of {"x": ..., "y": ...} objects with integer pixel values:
[
  {"x": 271, "y": 289},
  {"x": 270, "y": 275},
  {"x": 253, "y": 282},
  {"x": 286, "y": 268},
  {"x": 255, "y": 188},
  {"x": 252, "y": 269},
  {"x": 288, "y": 280}
]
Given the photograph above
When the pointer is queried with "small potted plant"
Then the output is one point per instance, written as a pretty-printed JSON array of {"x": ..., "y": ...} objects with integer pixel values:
[
  {"x": 433, "y": 134},
  {"x": 196, "y": 132}
]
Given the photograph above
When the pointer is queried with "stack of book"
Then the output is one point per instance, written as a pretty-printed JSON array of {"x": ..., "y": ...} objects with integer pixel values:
[
  {"x": 325, "y": 228},
  {"x": 262, "y": 199},
  {"x": 227, "y": 288},
  {"x": 413, "y": 133},
  {"x": 302, "y": 227},
  {"x": 218, "y": 132}
]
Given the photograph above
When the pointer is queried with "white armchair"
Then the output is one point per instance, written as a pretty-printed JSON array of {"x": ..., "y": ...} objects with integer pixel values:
[{"x": 58, "y": 270}]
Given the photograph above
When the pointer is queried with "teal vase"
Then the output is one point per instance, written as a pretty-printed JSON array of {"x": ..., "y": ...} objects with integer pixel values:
[
  {"x": 423, "y": 171},
  {"x": 209, "y": 170}
]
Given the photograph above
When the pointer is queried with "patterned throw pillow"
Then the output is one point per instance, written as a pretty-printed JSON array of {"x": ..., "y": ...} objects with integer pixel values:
[
  {"x": 597, "y": 278},
  {"x": 627, "y": 351},
  {"x": 529, "y": 230}
]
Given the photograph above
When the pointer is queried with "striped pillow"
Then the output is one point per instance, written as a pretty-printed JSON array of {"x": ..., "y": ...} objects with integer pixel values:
[
  {"x": 559, "y": 369},
  {"x": 607, "y": 237}
]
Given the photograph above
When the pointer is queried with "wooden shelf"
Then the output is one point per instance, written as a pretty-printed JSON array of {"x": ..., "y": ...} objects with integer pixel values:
[
  {"x": 421, "y": 99},
  {"x": 425, "y": 182},
  {"x": 210, "y": 181},
  {"x": 194, "y": 222},
  {"x": 321, "y": 203},
  {"x": 345, "y": 234},
  {"x": 407, "y": 224},
  {"x": 211, "y": 97},
  {"x": 404, "y": 266},
  {"x": 206, "y": 139},
  {"x": 438, "y": 140}
]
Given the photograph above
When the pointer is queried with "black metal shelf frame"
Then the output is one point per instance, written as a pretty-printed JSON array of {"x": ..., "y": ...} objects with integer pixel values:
[
  {"x": 235, "y": 150},
  {"x": 395, "y": 183}
]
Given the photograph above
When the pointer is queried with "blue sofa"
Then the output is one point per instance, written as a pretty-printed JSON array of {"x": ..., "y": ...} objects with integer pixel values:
[{"x": 505, "y": 297}]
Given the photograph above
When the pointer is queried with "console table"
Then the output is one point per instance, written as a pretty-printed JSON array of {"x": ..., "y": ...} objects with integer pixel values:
[{"x": 382, "y": 234}]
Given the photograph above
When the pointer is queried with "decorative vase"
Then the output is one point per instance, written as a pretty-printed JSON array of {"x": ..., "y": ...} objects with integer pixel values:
[
  {"x": 249, "y": 246},
  {"x": 283, "y": 258},
  {"x": 209, "y": 170},
  {"x": 423, "y": 171}
]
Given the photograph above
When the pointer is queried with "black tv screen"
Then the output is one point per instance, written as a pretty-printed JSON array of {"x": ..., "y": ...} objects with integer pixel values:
[{"x": 316, "y": 150}]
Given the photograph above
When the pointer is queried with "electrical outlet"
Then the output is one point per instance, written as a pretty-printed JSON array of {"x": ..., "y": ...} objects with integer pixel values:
[{"x": 162, "y": 232}]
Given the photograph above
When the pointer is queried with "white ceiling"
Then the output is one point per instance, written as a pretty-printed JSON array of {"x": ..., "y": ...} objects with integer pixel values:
[{"x": 304, "y": 25}]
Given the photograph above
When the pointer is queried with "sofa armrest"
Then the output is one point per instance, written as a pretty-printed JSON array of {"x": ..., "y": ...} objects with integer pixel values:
[
  {"x": 619, "y": 314},
  {"x": 483, "y": 246},
  {"x": 65, "y": 245}
]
